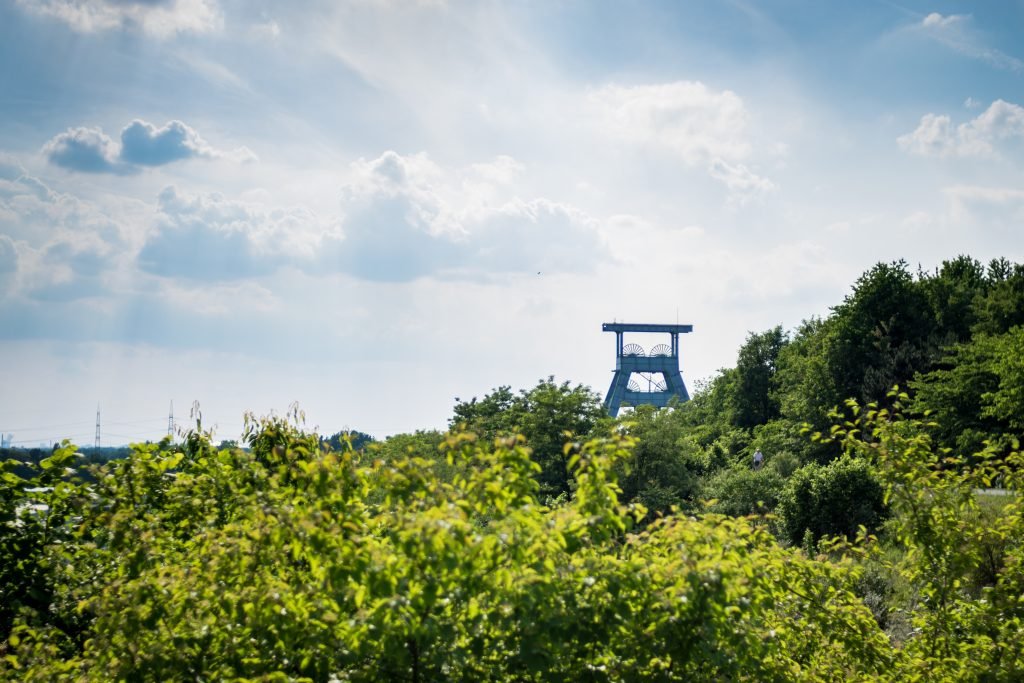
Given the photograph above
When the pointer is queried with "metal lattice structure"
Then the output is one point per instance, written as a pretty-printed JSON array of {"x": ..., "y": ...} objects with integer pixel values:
[{"x": 631, "y": 360}]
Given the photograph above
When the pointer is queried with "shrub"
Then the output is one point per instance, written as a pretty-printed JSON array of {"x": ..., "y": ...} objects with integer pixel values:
[
  {"x": 740, "y": 491},
  {"x": 831, "y": 500}
]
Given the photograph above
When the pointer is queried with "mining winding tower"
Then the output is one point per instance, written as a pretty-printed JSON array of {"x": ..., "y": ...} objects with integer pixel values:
[{"x": 636, "y": 379}]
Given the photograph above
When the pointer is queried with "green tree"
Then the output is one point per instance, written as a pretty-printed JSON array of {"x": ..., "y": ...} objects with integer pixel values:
[
  {"x": 977, "y": 394},
  {"x": 754, "y": 402},
  {"x": 282, "y": 566},
  {"x": 882, "y": 333},
  {"x": 348, "y": 438},
  {"x": 806, "y": 389},
  {"x": 37, "y": 506},
  {"x": 549, "y": 415},
  {"x": 953, "y": 293},
  {"x": 662, "y": 471},
  {"x": 1002, "y": 307}
]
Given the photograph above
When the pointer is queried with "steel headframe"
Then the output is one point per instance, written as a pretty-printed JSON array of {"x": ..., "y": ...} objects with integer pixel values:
[{"x": 620, "y": 394}]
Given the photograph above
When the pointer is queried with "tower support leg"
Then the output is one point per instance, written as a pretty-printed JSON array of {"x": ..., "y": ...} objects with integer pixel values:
[
  {"x": 674, "y": 383},
  {"x": 613, "y": 401}
]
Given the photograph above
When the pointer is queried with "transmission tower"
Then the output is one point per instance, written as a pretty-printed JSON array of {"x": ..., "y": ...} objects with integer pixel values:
[
  {"x": 631, "y": 359},
  {"x": 170, "y": 421},
  {"x": 97, "y": 444}
]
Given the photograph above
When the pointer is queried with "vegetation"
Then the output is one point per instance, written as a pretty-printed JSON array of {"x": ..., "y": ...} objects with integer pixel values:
[{"x": 541, "y": 540}]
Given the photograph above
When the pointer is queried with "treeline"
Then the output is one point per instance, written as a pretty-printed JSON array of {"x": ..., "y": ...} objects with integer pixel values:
[
  {"x": 951, "y": 337},
  {"x": 540, "y": 540}
]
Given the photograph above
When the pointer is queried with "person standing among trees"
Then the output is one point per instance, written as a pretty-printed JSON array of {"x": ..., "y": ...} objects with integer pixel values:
[{"x": 758, "y": 459}]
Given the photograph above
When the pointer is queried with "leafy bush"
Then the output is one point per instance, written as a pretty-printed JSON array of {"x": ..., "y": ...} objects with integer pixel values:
[
  {"x": 829, "y": 500},
  {"x": 955, "y": 634},
  {"x": 741, "y": 491}
]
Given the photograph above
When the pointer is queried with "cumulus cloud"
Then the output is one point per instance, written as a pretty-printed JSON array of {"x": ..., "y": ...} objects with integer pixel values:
[
  {"x": 30, "y": 209},
  {"x": 537, "y": 235},
  {"x": 70, "y": 267},
  {"x": 15, "y": 183},
  {"x": 90, "y": 150},
  {"x": 407, "y": 218},
  {"x": 208, "y": 237},
  {"x": 64, "y": 248},
  {"x": 146, "y": 145},
  {"x": 937, "y": 136},
  {"x": 158, "y": 18},
  {"x": 686, "y": 119}
]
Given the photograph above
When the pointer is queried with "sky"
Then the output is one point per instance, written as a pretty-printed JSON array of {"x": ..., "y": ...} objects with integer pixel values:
[{"x": 374, "y": 207}]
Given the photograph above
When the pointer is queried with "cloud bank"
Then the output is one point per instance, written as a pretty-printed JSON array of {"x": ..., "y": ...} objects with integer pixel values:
[{"x": 402, "y": 218}]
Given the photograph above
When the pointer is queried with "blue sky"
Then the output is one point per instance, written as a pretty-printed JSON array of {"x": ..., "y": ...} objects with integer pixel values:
[{"x": 374, "y": 206}]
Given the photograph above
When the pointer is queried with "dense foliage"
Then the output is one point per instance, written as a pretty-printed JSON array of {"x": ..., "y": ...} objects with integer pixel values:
[
  {"x": 546, "y": 415},
  {"x": 222, "y": 564},
  {"x": 295, "y": 562}
]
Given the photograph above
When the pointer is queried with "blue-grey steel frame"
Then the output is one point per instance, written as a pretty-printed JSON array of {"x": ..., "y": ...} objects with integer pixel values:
[{"x": 619, "y": 392}]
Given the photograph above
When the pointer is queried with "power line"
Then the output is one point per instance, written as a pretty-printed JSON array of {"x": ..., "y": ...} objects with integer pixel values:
[
  {"x": 127, "y": 423},
  {"x": 145, "y": 429}
]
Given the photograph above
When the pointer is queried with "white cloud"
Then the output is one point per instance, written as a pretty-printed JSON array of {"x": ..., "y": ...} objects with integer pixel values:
[
  {"x": 31, "y": 212},
  {"x": 63, "y": 248},
  {"x": 955, "y": 31},
  {"x": 936, "y": 135},
  {"x": 689, "y": 121},
  {"x": 158, "y": 18},
  {"x": 88, "y": 150},
  {"x": 70, "y": 267},
  {"x": 743, "y": 184},
  {"x": 143, "y": 144},
  {"x": 685, "y": 118},
  {"x": 208, "y": 237},
  {"x": 405, "y": 218},
  {"x": 936, "y": 20}
]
